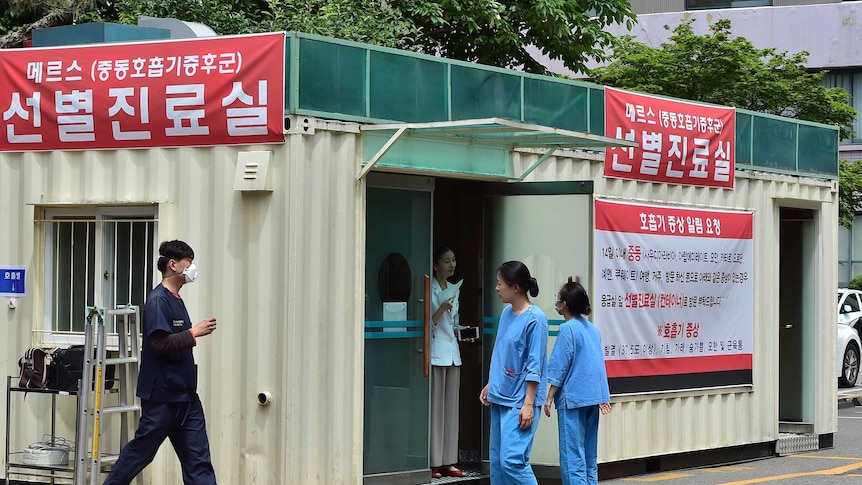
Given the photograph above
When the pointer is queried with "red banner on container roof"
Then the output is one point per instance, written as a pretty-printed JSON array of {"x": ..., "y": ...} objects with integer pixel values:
[
  {"x": 680, "y": 142},
  {"x": 193, "y": 92}
]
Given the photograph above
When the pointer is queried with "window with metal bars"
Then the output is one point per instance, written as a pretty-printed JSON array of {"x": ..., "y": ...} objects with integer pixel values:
[{"x": 101, "y": 257}]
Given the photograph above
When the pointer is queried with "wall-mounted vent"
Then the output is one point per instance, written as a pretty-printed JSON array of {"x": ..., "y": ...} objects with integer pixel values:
[{"x": 252, "y": 172}]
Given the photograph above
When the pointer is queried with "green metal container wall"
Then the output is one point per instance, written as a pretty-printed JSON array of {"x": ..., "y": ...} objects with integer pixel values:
[
  {"x": 407, "y": 89},
  {"x": 743, "y": 138},
  {"x": 773, "y": 144},
  {"x": 817, "y": 149},
  {"x": 369, "y": 84},
  {"x": 556, "y": 104},
  {"x": 477, "y": 93},
  {"x": 332, "y": 78}
]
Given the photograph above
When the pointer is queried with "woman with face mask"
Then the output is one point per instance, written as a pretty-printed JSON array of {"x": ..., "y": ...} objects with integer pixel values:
[
  {"x": 579, "y": 386},
  {"x": 516, "y": 380},
  {"x": 445, "y": 366}
]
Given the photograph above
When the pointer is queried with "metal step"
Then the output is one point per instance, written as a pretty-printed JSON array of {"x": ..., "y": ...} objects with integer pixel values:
[
  {"x": 121, "y": 311},
  {"x": 795, "y": 427},
  {"x": 108, "y": 459},
  {"x": 121, "y": 360},
  {"x": 789, "y": 443},
  {"x": 121, "y": 409}
]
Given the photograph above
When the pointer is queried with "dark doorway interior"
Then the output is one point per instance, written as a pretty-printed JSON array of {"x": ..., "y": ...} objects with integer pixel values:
[
  {"x": 458, "y": 223},
  {"x": 796, "y": 277}
]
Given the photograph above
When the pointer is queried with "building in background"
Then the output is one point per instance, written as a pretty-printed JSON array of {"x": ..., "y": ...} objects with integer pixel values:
[{"x": 828, "y": 30}]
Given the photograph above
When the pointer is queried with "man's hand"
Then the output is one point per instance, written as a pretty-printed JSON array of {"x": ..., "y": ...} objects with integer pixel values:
[{"x": 204, "y": 327}]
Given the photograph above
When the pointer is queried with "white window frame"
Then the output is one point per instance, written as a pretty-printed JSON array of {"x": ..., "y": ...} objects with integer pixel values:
[{"x": 104, "y": 294}]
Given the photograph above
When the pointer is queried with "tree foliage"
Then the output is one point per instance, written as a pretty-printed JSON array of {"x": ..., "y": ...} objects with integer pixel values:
[
  {"x": 722, "y": 69},
  {"x": 19, "y": 17},
  {"x": 497, "y": 33},
  {"x": 490, "y": 31},
  {"x": 223, "y": 16},
  {"x": 15, "y": 14},
  {"x": 368, "y": 21},
  {"x": 849, "y": 191}
]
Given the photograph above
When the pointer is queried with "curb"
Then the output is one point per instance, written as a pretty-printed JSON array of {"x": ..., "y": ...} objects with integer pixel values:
[{"x": 849, "y": 401}]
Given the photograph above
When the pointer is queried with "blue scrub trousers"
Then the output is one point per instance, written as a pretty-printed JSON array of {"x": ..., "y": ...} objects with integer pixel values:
[
  {"x": 181, "y": 422},
  {"x": 579, "y": 439},
  {"x": 510, "y": 446}
]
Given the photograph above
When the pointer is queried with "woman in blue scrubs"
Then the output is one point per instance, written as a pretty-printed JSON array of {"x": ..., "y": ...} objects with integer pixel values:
[
  {"x": 516, "y": 386},
  {"x": 579, "y": 386}
]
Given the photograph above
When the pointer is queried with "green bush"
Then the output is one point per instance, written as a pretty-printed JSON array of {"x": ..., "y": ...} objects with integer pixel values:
[{"x": 856, "y": 283}]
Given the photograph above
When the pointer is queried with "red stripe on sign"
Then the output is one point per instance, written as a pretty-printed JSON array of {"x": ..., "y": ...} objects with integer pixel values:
[
  {"x": 186, "y": 92},
  {"x": 677, "y": 365},
  {"x": 672, "y": 221},
  {"x": 679, "y": 142}
]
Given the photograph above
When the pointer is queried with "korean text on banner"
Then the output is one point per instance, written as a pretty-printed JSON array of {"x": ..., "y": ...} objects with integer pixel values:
[
  {"x": 679, "y": 142},
  {"x": 674, "y": 296},
  {"x": 199, "y": 92}
]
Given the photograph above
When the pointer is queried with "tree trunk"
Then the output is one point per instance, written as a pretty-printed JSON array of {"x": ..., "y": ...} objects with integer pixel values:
[{"x": 18, "y": 37}]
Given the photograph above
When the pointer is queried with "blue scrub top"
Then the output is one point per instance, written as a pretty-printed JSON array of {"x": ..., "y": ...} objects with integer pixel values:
[
  {"x": 577, "y": 366},
  {"x": 166, "y": 377},
  {"x": 520, "y": 355}
]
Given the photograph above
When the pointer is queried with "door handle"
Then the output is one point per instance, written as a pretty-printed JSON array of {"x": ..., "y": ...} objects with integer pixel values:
[
  {"x": 788, "y": 325},
  {"x": 426, "y": 335}
]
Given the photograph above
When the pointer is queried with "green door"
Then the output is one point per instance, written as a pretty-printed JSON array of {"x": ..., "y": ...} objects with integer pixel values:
[{"x": 398, "y": 249}]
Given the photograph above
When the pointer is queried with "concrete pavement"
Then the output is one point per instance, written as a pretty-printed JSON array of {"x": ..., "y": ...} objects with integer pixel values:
[{"x": 849, "y": 397}]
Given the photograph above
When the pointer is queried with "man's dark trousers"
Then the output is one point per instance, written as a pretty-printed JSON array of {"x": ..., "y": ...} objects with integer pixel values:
[{"x": 181, "y": 422}]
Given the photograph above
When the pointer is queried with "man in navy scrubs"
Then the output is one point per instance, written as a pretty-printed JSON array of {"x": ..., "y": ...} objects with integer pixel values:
[{"x": 167, "y": 384}]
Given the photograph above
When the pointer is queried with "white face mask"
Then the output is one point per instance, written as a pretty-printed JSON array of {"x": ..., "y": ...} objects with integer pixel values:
[{"x": 191, "y": 273}]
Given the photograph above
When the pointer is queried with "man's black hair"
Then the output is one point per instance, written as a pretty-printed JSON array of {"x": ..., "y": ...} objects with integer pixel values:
[{"x": 175, "y": 250}]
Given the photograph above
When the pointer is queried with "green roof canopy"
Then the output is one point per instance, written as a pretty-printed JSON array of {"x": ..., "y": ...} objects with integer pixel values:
[{"x": 344, "y": 80}]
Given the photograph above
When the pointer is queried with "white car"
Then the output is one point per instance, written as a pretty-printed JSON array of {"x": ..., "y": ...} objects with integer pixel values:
[{"x": 849, "y": 317}]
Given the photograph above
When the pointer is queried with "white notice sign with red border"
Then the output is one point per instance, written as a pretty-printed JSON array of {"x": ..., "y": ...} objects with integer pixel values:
[{"x": 673, "y": 296}]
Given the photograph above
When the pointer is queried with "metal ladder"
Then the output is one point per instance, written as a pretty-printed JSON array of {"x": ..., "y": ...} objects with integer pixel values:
[{"x": 91, "y": 388}]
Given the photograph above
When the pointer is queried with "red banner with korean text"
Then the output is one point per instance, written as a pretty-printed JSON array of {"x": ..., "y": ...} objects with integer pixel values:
[
  {"x": 673, "y": 296},
  {"x": 195, "y": 92},
  {"x": 680, "y": 142}
]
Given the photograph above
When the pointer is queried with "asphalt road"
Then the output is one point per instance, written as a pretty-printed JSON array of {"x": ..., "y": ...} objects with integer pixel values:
[{"x": 841, "y": 464}]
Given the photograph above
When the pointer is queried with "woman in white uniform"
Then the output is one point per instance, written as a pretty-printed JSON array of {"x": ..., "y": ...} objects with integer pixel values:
[{"x": 445, "y": 366}]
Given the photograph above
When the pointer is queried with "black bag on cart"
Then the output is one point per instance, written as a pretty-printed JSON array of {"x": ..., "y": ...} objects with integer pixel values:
[
  {"x": 36, "y": 370},
  {"x": 68, "y": 369}
]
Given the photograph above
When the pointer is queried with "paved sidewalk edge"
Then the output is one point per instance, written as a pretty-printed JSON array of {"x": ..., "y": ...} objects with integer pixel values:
[{"x": 850, "y": 400}]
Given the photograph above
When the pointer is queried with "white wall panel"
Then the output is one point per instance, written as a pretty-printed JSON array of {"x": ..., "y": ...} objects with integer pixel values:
[
  {"x": 655, "y": 424},
  {"x": 283, "y": 271},
  {"x": 277, "y": 270}
]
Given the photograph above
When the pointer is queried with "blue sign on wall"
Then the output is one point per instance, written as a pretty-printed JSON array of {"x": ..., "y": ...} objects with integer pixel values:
[{"x": 12, "y": 280}]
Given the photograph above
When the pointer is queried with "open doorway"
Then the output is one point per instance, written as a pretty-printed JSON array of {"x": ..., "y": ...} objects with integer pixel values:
[
  {"x": 458, "y": 224},
  {"x": 797, "y": 274},
  {"x": 546, "y": 225}
]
